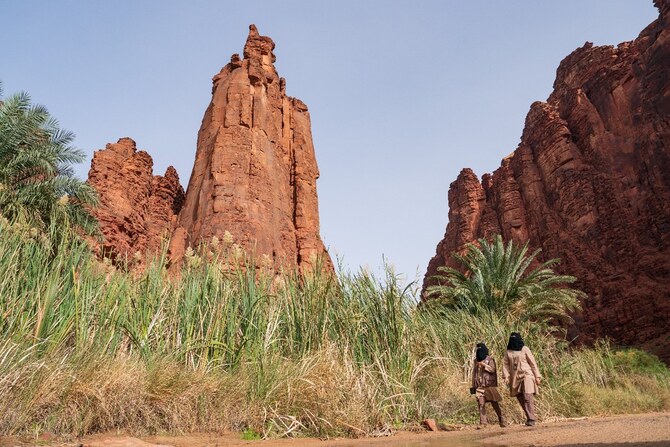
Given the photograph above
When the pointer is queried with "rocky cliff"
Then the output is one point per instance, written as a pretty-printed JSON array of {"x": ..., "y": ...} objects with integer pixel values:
[
  {"x": 137, "y": 209},
  {"x": 590, "y": 184},
  {"x": 254, "y": 176},
  {"x": 255, "y": 170}
]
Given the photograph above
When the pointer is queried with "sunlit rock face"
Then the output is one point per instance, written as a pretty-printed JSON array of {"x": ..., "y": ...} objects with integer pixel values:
[
  {"x": 590, "y": 184},
  {"x": 137, "y": 210},
  {"x": 255, "y": 170},
  {"x": 253, "y": 180}
]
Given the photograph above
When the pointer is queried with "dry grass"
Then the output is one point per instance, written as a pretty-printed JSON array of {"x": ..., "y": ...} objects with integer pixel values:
[{"x": 85, "y": 349}]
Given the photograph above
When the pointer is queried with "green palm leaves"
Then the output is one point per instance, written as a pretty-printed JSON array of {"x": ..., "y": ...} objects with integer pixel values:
[
  {"x": 495, "y": 277},
  {"x": 37, "y": 183}
]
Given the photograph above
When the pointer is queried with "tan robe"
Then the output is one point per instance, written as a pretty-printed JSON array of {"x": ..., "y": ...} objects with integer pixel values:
[{"x": 520, "y": 371}]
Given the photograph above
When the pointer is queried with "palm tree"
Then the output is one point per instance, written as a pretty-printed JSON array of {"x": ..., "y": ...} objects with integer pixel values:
[
  {"x": 498, "y": 278},
  {"x": 37, "y": 181}
]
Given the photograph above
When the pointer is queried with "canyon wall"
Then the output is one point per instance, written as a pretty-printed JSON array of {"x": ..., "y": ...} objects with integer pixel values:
[{"x": 590, "y": 184}]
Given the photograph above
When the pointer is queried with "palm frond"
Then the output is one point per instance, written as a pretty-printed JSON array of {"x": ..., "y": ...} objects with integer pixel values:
[
  {"x": 499, "y": 278},
  {"x": 36, "y": 171}
]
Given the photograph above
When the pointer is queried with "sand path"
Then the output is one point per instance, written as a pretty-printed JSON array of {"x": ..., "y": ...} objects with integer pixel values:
[{"x": 643, "y": 430}]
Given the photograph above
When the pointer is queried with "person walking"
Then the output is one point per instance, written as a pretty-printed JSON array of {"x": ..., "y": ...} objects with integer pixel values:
[
  {"x": 521, "y": 373},
  {"x": 485, "y": 384}
]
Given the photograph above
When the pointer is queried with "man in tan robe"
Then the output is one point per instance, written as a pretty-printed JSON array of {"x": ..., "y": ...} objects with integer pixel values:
[{"x": 521, "y": 373}]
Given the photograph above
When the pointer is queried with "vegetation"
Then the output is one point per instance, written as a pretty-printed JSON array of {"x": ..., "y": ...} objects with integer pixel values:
[
  {"x": 85, "y": 347},
  {"x": 500, "y": 279},
  {"x": 37, "y": 184}
]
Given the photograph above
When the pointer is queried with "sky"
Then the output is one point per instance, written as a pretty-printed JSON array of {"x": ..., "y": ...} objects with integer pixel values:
[{"x": 402, "y": 94}]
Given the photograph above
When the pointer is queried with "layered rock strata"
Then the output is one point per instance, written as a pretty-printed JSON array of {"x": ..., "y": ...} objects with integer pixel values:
[
  {"x": 137, "y": 209},
  {"x": 590, "y": 184},
  {"x": 255, "y": 170}
]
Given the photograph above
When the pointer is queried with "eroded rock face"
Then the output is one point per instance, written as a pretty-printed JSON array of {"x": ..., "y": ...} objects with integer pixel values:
[
  {"x": 137, "y": 209},
  {"x": 254, "y": 176},
  {"x": 590, "y": 184},
  {"x": 255, "y": 170}
]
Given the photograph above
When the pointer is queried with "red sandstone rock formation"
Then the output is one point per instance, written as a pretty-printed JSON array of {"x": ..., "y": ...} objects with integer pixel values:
[
  {"x": 254, "y": 176},
  {"x": 590, "y": 184},
  {"x": 136, "y": 208},
  {"x": 255, "y": 171}
]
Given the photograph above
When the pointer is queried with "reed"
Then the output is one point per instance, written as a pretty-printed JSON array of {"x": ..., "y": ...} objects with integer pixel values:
[{"x": 87, "y": 347}]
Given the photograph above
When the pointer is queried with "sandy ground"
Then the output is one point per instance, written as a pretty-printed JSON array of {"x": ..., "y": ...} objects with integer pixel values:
[{"x": 644, "y": 430}]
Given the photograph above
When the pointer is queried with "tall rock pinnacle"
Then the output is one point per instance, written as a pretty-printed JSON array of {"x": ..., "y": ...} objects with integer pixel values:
[
  {"x": 590, "y": 184},
  {"x": 255, "y": 170},
  {"x": 254, "y": 176}
]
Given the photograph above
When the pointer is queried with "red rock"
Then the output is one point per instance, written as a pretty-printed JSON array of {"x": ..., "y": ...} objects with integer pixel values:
[
  {"x": 124, "y": 441},
  {"x": 590, "y": 184},
  {"x": 46, "y": 437},
  {"x": 137, "y": 209},
  {"x": 255, "y": 170},
  {"x": 254, "y": 176},
  {"x": 430, "y": 424}
]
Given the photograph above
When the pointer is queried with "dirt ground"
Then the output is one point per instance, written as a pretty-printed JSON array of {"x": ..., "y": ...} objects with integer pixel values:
[{"x": 644, "y": 430}]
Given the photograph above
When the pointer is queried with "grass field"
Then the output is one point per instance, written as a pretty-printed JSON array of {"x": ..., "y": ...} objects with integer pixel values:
[{"x": 86, "y": 347}]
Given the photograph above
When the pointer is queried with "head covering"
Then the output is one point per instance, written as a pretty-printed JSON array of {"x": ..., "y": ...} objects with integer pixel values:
[
  {"x": 515, "y": 342},
  {"x": 482, "y": 352}
]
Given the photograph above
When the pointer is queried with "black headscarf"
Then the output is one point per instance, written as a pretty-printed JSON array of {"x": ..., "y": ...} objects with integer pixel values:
[
  {"x": 515, "y": 342},
  {"x": 482, "y": 352}
]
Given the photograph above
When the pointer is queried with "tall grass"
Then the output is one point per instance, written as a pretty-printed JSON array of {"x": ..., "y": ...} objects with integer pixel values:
[{"x": 87, "y": 347}]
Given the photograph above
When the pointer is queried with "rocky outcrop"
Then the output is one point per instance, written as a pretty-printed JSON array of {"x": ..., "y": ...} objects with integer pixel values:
[
  {"x": 255, "y": 170},
  {"x": 254, "y": 176},
  {"x": 590, "y": 184},
  {"x": 137, "y": 209}
]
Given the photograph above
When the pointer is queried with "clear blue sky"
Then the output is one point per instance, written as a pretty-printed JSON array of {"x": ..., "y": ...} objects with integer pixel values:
[{"x": 402, "y": 94}]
